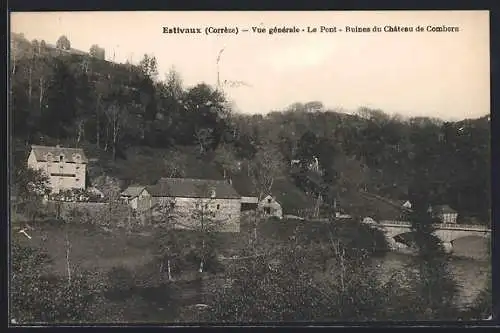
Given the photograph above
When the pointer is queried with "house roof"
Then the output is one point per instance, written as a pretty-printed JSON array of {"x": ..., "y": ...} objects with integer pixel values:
[
  {"x": 133, "y": 191},
  {"x": 41, "y": 153},
  {"x": 443, "y": 209},
  {"x": 192, "y": 188}
]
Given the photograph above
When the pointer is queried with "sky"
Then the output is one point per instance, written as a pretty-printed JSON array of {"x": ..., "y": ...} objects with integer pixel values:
[{"x": 433, "y": 74}]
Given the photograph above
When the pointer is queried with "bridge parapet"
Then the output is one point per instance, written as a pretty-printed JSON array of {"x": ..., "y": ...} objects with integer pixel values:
[
  {"x": 394, "y": 222},
  {"x": 441, "y": 226},
  {"x": 470, "y": 227}
]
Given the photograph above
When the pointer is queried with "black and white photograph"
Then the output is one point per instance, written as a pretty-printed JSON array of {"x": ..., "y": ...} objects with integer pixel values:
[{"x": 249, "y": 167}]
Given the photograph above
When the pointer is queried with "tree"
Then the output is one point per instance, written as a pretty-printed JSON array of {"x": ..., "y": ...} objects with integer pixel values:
[
  {"x": 226, "y": 159},
  {"x": 314, "y": 106},
  {"x": 31, "y": 187},
  {"x": 203, "y": 138},
  {"x": 43, "y": 46},
  {"x": 267, "y": 165},
  {"x": 205, "y": 224},
  {"x": 97, "y": 52},
  {"x": 205, "y": 112},
  {"x": 173, "y": 82},
  {"x": 63, "y": 43},
  {"x": 307, "y": 147},
  {"x": 434, "y": 283},
  {"x": 39, "y": 297},
  {"x": 117, "y": 118},
  {"x": 148, "y": 66},
  {"x": 58, "y": 119},
  {"x": 168, "y": 244},
  {"x": 284, "y": 284}
]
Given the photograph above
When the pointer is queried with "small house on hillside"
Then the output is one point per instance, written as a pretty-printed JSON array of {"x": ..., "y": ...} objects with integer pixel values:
[
  {"x": 194, "y": 199},
  {"x": 132, "y": 194},
  {"x": 65, "y": 167},
  {"x": 270, "y": 207},
  {"x": 405, "y": 204},
  {"x": 444, "y": 213}
]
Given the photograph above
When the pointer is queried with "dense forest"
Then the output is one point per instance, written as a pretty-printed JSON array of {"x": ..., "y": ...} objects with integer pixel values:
[{"x": 140, "y": 126}]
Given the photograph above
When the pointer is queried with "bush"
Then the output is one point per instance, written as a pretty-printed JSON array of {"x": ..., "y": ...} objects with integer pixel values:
[
  {"x": 120, "y": 278},
  {"x": 38, "y": 297}
]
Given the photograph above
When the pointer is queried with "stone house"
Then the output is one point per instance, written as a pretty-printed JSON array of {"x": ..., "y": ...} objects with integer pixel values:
[
  {"x": 133, "y": 194},
  {"x": 215, "y": 202},
  {"x": 270, "y": 207},
  {"x": 444, "y": 213},
  {"x": 65, "y": 167}
]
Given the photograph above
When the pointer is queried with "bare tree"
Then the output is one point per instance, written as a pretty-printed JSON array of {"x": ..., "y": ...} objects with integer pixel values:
[
  {"x": 116, "y": 115},
  {"x": 149, "y": 66},
  {"x": 205, "y": 223},
  {"x": 204, "y": 138},
  {"x": 174, "y": 84},
  {"x": 267, "y": 165},
  {"x": 164, "y": 218},
  {"x": 102, "y": 90},
  {"x": 226, "y": 158}
]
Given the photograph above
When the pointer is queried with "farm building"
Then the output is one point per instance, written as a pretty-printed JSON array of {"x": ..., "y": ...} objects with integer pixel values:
[
  {"x": 132, "y": 194},
  {"x": 270, "y": 207},
  {"x": 193, "y": 200}
]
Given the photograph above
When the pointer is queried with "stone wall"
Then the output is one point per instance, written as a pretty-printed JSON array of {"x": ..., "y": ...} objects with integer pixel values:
[
  {"x": 89, "y": 210},
  {"x": 226, "y": 213}
]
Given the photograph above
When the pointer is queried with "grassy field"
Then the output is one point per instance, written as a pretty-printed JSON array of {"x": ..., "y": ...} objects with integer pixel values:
[{"x": 137, "y": 291}]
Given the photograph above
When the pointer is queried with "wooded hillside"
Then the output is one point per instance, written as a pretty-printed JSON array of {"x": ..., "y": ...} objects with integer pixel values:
[{"x": 141, "y": 126}]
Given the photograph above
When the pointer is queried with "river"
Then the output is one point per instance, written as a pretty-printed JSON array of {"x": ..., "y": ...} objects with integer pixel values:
[{"x": 471, "y": 275}]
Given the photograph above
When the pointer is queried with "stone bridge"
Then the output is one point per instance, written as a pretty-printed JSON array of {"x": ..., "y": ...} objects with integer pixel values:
[{"x": 447, "y": 233}]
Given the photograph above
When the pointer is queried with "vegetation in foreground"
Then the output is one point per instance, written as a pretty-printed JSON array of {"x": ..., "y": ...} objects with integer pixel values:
[{"x": 140, "y": 127}]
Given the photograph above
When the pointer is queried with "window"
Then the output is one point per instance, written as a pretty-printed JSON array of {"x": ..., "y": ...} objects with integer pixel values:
[
  {"x": 268, "y": 200},
  {"x": 218, "y": 206},
  {"x": 61, "y": 158},
  {"x": 267, "y": 210},
  {"x": 212, "y": 193}
]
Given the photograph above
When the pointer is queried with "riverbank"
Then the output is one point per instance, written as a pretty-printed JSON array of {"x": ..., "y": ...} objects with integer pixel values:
[{"x": 471, "y": 275}]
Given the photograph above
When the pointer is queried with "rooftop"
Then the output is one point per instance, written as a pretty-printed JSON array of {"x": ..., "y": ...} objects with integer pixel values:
[
  {"x": 46, "y": 153},
  {"x": 133, "y": 191},
  {"x": 192, "y": 188},
  {"x": 443, "y": 209}
]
